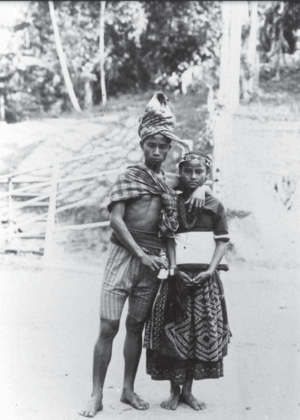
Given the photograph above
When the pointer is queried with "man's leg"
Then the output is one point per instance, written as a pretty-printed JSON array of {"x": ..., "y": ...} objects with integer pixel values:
[
  {"x": 102, "y": 356},
  {"x": 132, "y": 354}
]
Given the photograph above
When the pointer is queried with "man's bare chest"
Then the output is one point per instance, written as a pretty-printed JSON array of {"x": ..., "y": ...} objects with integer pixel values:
[{"x": 145, "y": 203}]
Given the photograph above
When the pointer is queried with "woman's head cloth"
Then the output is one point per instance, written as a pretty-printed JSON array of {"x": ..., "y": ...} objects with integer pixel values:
[{"x": 195, "y": 155}]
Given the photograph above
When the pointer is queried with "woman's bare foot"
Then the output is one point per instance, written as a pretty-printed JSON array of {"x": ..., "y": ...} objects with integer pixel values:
[
  {"x": 93, "y": 406},
  {"x": 172, "y": 402},
  {"x": 131, "y": 398},
  {"x": 188, "y": 398}
]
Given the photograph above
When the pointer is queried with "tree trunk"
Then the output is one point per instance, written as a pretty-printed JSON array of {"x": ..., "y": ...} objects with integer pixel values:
[
  {"x": 235, "y": 53},
  {"x": 88, "y": 94},
  {"x": 2, "y": 108},
  {"x": 224, "y": 59},
  {"x": 230, "y": 54},
  {"x": 101, "y": 48},
  {"x": 229, "y": 90},
  {"x": 62, "y": 59},
  {"x": 253, "y": 65}
]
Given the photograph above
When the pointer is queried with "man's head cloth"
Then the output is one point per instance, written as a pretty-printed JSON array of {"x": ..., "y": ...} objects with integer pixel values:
[{"x": 158, "y": 119}]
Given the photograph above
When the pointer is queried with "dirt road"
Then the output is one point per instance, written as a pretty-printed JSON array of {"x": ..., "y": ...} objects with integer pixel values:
[{"x": 49, "y": 322}]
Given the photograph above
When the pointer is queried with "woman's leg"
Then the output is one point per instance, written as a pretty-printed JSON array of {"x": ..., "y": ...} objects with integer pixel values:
[
  {"x": 172, "y": 402},
  {"x": 188, "y": 398}
]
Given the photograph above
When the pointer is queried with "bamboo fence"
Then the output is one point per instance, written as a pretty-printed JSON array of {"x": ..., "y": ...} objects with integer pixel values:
[{"x": 43, "y": 192}]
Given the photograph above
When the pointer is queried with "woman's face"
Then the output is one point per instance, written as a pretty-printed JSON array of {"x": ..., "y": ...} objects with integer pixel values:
[{"x": 193, "y": 174}]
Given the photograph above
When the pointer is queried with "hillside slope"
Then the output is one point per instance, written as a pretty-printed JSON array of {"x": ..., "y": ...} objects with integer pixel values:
[{"x": 262, "y": 160}]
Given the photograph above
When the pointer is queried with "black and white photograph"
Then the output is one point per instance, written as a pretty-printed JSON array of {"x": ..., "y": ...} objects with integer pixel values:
[{"x": 150, "y": 210}]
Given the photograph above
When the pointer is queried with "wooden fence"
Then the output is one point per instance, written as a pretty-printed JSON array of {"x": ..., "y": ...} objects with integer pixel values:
[{"x": 39, "y": 189}]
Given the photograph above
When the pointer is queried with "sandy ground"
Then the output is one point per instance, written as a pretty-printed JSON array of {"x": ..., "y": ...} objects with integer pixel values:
[{"x": 49, "y": 322}]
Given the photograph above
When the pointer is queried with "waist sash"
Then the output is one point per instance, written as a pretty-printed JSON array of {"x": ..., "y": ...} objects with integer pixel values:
[{"x": 143, "y": 239}]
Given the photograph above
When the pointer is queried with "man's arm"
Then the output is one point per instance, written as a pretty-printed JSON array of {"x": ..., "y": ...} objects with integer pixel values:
[
  {"x": 197, "y": 198},
  {"x": 119, "y": 227},
  {"x": 173, "y": 180}
]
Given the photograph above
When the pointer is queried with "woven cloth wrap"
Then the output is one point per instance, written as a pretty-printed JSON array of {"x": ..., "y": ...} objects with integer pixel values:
[
  {"x": 138, "y": 180},
  {"x": 159, "y": 119}
]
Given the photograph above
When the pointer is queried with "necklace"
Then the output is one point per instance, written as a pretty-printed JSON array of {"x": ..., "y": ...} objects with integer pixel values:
[
  {"x": 183, "y": 215},
  {"x": 163, "y": 175}
]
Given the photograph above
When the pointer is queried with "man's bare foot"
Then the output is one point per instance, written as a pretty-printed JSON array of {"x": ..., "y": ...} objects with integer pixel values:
[
  {"x": 131, "y": 398},
  {"x": 93, "y": 406},
  {"x": 188, "y": 398},
  {"x": 172, "y": 402}
]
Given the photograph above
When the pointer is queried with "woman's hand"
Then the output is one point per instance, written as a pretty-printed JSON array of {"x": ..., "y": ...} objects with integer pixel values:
[
  {"x": 183, "y": 276},
  {"x": 202, "y": 277}
]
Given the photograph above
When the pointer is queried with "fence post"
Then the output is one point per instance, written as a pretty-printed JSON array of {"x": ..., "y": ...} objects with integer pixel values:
[
  {"x": 10, "y": 212},
  {"x": 50, "y": 226}
]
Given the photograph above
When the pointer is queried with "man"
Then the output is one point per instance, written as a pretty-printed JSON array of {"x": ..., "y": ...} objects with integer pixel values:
[{"x": 143, "y": 212}]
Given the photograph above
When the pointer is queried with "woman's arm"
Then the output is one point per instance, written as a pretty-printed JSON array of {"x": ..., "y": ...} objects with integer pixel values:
[
  {"x": 172, "y": 259},
  {"x": 218, "y": 255},
  {"x": 171, "y": 253},
  {"x": 216, "y": 258}
]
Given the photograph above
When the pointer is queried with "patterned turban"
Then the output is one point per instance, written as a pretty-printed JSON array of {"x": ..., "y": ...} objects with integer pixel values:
[{"x": 159, "y": 119}]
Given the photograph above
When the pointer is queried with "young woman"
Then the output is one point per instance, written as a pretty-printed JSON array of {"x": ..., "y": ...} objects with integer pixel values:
[{"x": 187, "y": 335}]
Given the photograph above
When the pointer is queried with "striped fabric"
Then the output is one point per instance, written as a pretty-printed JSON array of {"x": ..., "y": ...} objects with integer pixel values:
[{"x": 125, "y": 276}]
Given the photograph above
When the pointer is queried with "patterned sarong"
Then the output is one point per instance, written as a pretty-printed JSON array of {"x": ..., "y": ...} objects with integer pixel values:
[
  {"x": 139, "y": 180},
  {"x": 195, "y": 345}
]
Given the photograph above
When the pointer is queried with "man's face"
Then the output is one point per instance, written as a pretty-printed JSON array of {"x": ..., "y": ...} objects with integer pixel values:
[
  {"x": 155, "y": 148},
  {"x": 193, "y": 174}
]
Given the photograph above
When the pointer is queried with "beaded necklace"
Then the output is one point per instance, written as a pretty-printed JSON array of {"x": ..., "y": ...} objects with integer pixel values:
[{"x": 183, "y": 215}]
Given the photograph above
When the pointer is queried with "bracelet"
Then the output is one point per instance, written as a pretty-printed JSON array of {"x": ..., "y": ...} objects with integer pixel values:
[{"x": 172, "y": 270}]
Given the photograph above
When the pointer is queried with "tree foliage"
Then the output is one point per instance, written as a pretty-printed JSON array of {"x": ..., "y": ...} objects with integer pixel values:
[
  {"x": 280, "y": 21},
  {"x": 144, "y": 40}
]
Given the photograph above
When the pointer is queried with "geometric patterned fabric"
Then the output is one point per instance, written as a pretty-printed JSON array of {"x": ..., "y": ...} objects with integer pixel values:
[{"x": 196, "y": 343}]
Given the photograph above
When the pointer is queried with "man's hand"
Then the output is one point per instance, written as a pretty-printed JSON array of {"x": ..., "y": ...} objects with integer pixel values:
[
  {"x": 202, "y": 277},
  {"x": 197, "y": 198},
  {"x": 153, "y": 262}
]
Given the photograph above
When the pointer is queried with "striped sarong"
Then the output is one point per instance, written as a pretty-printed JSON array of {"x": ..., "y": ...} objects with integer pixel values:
[{"x": 125, "y": 277}]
